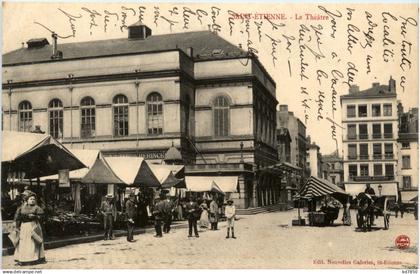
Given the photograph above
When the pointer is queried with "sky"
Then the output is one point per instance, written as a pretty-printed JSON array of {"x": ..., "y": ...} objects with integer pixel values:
[{"x": 310, "y": 50}]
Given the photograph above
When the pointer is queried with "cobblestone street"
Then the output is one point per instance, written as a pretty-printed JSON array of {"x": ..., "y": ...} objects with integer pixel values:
[{"x": 263, "y": 241}]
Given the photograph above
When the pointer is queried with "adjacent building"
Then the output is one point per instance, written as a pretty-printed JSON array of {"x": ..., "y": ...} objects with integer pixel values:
[
  {"x": 314, "y": 163},
  {"x": 370, "y": 133},
  {"x": 408, "y": 154},
  {"x": 140, "y": 95},
  {"x": 333, "y": 164},
  {"x": 298, "y": 145}
]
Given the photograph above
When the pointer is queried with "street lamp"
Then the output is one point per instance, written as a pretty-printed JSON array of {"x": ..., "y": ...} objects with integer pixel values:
[{"x": 380, "y": 189}]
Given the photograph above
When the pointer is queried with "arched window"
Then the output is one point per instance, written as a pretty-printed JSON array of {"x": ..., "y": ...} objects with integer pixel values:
[
  {"x": 154, "y": 114},
  {"x": 25, "y": 116},
  {"x": 55, "y": 115},
  {"x": 221, "y": 116},
  {"x": 87, "y": 111},
  {"x": 120, "y": 114}
]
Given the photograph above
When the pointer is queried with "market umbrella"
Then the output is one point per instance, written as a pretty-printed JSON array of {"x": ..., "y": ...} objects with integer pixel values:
[{"x": 35, "y": 155}]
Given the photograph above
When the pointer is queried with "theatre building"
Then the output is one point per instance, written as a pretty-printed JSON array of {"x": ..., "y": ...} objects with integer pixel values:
[{"x": 142, "y": 94}]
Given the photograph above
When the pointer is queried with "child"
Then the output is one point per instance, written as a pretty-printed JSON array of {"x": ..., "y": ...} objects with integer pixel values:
[{"x": 230, "y": 212}]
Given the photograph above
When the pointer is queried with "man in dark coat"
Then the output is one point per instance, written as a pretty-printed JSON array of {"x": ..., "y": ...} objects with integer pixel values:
[
  {"x": 168, "y": 208},
  {"x": 130, "y": 210},
  {"x": 193, "y": 214},
  {"x": 158, "y": 213},
  {"x": 369, "y": 190}
]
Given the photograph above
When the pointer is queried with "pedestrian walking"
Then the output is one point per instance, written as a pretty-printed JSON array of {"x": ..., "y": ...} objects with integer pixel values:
[
  {"x": 168, "y": 209},
  {"x": 193, "y": 213},
  {"x": 29, "y": 246},
  {"x": 230, "y": 212},
  {"x": 214, "y": 214},
  {"x": 204, "y": 217},
  {"x": 109, "y": 211},
  {"x": 130, "y": 210}
]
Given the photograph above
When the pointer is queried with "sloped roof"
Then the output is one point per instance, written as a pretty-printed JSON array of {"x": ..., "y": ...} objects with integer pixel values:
[
  {"x": 372, "y": 92},
  {"x": 162, "y": 171},
  {"x": 202, "y": 42},
  {"x": 173, "y": 154}
]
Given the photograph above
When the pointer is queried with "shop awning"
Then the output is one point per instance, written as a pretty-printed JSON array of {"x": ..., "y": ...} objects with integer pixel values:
[
  {"x": 172, "y": 181},
  {"x": 316, "y": 187},
  {"x": 409, "y": 196},
  {"x": 132, "y": 171},
  {"x": 36, "y": 155},
  {"x": 162, "y": 171},
  {"x": 388, "y": 188},
  {"x": 202, "y": 184},
  {"x": 86, "y": 156},
  {"x": 227, "y": 183}
]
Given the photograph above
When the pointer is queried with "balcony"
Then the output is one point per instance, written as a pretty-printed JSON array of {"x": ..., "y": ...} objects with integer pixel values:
[
  {"x": 372, "y": 136},
  {"x": 372, "y": 178},
  {"x": 358, "y": 157}
]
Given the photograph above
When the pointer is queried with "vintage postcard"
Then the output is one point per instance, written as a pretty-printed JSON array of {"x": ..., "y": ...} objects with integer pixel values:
[{"x": 151, "y": 135}]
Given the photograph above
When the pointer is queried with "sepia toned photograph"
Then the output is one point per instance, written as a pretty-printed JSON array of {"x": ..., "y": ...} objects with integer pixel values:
[{"x": 152, "y": 135}]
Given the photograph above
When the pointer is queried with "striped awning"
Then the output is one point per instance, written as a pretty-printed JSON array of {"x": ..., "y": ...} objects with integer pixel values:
[{"x": 316, "y": 187}]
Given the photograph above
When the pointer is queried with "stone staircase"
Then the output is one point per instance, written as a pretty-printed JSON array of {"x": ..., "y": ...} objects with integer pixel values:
[{"x": 263, "y": 209}]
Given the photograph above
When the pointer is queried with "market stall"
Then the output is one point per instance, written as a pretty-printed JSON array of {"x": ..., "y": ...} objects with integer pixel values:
[{"x": 316, "y": 189}]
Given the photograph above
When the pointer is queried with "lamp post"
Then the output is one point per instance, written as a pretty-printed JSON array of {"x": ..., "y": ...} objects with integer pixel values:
[{"x": 380, "y": 190}]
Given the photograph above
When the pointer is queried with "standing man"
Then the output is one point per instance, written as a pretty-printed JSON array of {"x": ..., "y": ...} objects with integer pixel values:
[
  {"x": 230, "y": 213},
  {"x": 214, "y": 213},
  {"x": 158, "y": 214},
  {"x": 130, "y": 210},
  {"x": 109, "y": 212},
  {"x": 193, "y": 213},
  {"x": 168, "y": 208}
]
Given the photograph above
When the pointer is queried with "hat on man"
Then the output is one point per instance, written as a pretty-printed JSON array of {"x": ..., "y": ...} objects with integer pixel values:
[{"x": 109, "y": 196}]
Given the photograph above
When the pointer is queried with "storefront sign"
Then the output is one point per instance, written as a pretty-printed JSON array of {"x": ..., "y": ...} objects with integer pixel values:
[
  {"x": 63, "y": 178},
  {"x": 152, "y": 155}
]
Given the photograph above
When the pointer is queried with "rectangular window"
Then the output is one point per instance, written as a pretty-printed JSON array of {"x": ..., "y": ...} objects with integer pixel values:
[
  {"x": 406, "y": 145},
  {"x": 389, "y": 170},
  {"x": 352, "y": 171},
  {"x": 362, "y": 110},
  {"x": 377, "y": 170},
  {"x": 376, "y": 110},
  {"x": 363, "y": 152},
  {"x": 351, "y": 111},
  {"x": 389, "y": 151},
  {"x": 56, "y": 123},
  {"x": 377, "y": 151},
  {"x": 155, "y": 117},
  {"x": 406, "y": 162},
  {"x": 352, "y": 151},
  {"x": 88, "y": 122},
  {"x": 406, "y": 182},
  {"x": 351, "y": 132},
  {"x": 376, "y": 131},
  {"x": 25, "y": 120},
  {"x": 387, "y": 110},
  {"x": 120, "y": 120},
  {"x": 388, "y": 131},
  {"x": 363, "y": 131},
  {"x": 364, "y": 170}
]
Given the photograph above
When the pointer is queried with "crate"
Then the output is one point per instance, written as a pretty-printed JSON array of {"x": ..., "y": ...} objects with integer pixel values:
[{"x": 298, "y": 222}]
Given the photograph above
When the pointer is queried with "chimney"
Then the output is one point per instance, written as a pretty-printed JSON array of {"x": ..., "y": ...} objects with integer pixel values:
[
  {"x": 284, "y": 108},
  {"x": 354, "y": 89},
  {"x": 54, "y": 44},
  {"x": 392, "y": 85},
  {"x": 190, "y": 52}
]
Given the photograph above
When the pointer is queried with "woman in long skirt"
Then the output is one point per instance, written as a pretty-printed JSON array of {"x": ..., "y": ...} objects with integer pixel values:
[
  {"x": 30, "y": 248},
  {"x": 204, "y": 219}
]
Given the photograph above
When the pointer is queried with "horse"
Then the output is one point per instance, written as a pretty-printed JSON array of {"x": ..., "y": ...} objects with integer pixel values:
[{"x": 365, "y": 211}]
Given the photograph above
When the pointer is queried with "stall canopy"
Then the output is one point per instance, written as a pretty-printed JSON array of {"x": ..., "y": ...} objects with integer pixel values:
[
  {"x": 172, "y": 181},
  {"x": 162, "y": 171},
  {"x": 131, "y": 171},
  {"x": 36, "y": 155},
  {"x": 388, "y": 188},
  {"x": 202, "y": 184},
  {"x": 316, "y": 187},
  {"x": 86, "y": 156}
]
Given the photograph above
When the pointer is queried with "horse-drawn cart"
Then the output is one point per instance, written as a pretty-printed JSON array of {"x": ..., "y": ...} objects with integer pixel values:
[{"x": 369, "y": 207}]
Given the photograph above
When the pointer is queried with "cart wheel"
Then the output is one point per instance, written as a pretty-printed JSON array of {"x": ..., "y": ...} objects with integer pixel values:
[{"x": 386, "y": 221}]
